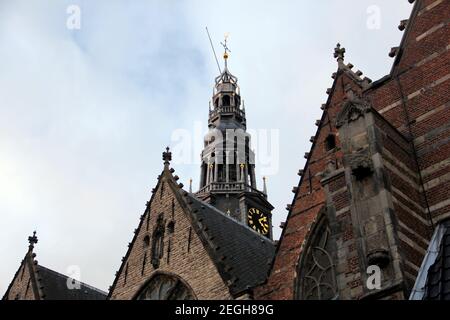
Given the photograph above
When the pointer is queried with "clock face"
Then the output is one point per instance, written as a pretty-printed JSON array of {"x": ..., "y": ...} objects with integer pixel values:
[{"x": 258, "y": 221}]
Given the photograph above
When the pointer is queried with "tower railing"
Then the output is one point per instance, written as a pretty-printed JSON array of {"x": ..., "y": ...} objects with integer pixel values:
[
  {"x": 226, "y": 187},
  {"x": 227, "y": 109}
]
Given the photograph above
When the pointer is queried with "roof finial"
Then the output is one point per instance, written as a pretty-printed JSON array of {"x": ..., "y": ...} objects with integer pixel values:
[
  {"x": 167, "y": 157},
  {"x": 264, "y": 186},
  {"x": 225, "y": 47},
  {"x": 339, "y": 54},
  {"x": 190, "y": 185},
  {"x": 32, "y": 240}
]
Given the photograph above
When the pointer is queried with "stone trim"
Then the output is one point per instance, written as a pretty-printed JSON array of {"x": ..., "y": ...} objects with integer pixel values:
[
  {"x": 418, "y": 217},
  {"x": 435, "y": 167},
  {"x": 392, "y": 158},
  {"x": 391, "y": 106},
  {"x": 402, "y": 176},
  {"x": 440, "y": 205},
  {"x": 430, "y": 31},
  {"x": 432, "y": 56},
  {"x": 424, "y": 241},
  {"x": 412, "y": 265},
  {"x": 429, "y": 7},
  {"x": 411, "y": 243},
  {"x": 436, "y": 181},
  {"x": 408, "y": 199}
]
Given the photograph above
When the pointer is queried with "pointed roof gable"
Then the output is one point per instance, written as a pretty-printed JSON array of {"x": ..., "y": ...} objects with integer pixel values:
[
  {"x": 241, "y": 256},
  {"x": 51, "y": 285},
  {"x": 345, "y": 82},
  {"x": 167, "y": 171},
  {"x": 24, "y": 264},
  {"x": 343, "y": 70},
  {"x": 29, "y": 263}
]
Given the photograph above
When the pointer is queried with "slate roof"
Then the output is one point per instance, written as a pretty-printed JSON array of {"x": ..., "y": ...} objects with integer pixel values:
[
  {"x": 55, "y": 287},
  {"x": 242, "y": 256},
  {"x": 438, "y": 279}
]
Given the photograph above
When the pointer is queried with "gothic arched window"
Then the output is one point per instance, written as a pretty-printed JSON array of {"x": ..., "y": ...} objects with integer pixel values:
[
  {"x": 166, "y": 287},
  {"x": 317, "y": 277}
]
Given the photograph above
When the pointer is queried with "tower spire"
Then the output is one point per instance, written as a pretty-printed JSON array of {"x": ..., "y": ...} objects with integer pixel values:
[
  {"x": 264, "y": 186},
  {"x": 227, "y": 176}
]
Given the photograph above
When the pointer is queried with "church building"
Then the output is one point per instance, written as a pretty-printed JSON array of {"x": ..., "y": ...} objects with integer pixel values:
[{"x": 373, "y": 198}]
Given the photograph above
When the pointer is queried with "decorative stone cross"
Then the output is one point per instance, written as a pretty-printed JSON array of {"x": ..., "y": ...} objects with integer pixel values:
[
  {"x": 32, "y": 240},
  {"x": 167, "y": 156},
  {"x": 339, "y": 52}
]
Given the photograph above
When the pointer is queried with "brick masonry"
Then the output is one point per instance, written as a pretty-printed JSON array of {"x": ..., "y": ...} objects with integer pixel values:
[
  {"x": 187, "y": 257},
  {"x": 22, "y": 285},
  {"x": 406, "y": 135}
]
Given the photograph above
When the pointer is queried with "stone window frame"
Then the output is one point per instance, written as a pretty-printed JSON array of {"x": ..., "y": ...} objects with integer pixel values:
[
  {"x": 178, "y": 284},
  {"x": 314, "y": 236}
]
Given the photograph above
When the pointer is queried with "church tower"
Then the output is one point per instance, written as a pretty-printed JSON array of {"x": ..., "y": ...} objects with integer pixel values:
[{"x": 227, "y": 178}]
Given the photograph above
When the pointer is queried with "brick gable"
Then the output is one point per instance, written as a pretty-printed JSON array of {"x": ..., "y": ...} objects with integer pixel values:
[
  {"x": 22, "y": 286},
  {"x": 186, "y": 258}
]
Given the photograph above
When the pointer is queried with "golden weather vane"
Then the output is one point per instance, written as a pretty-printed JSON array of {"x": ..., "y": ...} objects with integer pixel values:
[{"x": 225, "y": 47}]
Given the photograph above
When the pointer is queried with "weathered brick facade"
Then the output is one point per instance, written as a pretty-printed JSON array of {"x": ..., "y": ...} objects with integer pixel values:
[
  {"x": 385, "y": 183},
  {"x": 187, "y": 257},
  {"x": 22, "y": 285}
]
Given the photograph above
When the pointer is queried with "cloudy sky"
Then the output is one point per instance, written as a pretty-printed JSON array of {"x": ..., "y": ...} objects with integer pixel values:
[{"x": 85, "y": 113}]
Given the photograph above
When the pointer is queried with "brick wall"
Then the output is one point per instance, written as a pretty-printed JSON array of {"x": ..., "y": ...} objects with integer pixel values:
[
  {"x": 418, "y": 98},
  {"x": 22, "y": 286},
  {"x": 187, "y": 258},
  {"x": 414, "y": 100}
]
